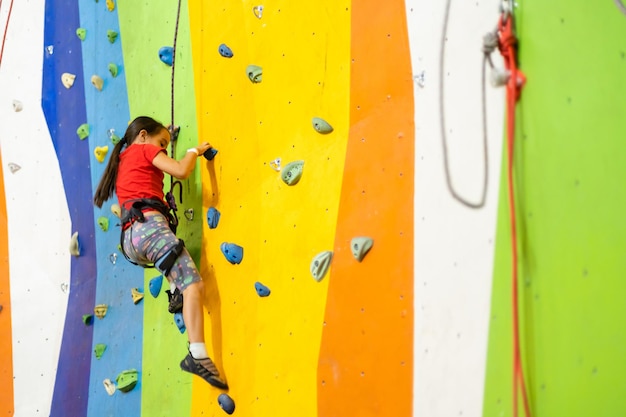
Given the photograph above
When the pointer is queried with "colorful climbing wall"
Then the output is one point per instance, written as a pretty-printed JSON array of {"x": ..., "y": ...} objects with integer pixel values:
[{"x": 422, "y": 324}]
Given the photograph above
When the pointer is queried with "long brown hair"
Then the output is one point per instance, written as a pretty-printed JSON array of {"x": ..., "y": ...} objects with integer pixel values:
[{"x": 106, "y": 187}]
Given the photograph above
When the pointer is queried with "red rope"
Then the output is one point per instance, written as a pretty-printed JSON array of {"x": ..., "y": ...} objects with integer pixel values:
[
  {"x": 507, "y": 46},
  {"x": 6, "y": 28}
]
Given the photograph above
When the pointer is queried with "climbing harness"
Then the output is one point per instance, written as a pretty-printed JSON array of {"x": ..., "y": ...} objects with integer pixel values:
[
  {"x": 174, "y": 131},
  {"x": 489, "y": 46},
  {"x": 6, "y": 29},
  {"x": 620, "y": 6},
  {"x": 515, "y": 80}
]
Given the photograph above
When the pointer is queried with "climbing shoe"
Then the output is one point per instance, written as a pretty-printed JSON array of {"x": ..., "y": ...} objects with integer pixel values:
[
  {"x": 205, "y": 369},
  {"x": 175, "y": 300}
]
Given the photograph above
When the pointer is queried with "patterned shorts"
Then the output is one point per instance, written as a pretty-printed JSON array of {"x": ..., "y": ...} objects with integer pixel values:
[{"x": 151, "y": 240}]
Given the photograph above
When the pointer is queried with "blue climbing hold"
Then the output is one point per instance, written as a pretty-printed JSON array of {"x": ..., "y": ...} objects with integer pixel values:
[
  {"x": 212, "y": 217},
  {"x": 155, "y": 285},
  {"x": 261, "y": 289},
  {"x": 227, "y": 403},
  {"x": 232, "y": 252},
  {"x": 210, "y": 153},
  {"x": 180, "y": 323},
  {"x": 166, "y": 54},
  {"x": 225, "y": 51}
]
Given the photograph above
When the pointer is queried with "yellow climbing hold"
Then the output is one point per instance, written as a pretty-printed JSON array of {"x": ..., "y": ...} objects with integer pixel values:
[
  {"x": 101, "y": 152},
  {"x": 110, "y": 5},
  {"x": 68, "y": 79},
  {"x": 116, "y": 209},
  {"x": 97, "y": 82},
  {"x": 137, "y": 295},
  {"x": 101, "y": 310}
]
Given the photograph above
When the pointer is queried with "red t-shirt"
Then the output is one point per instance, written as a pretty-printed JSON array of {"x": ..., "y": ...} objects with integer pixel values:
[{"x": 136, "y": 176}]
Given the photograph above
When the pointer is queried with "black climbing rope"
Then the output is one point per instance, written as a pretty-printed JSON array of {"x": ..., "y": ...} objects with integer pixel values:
[
  {"x": 620, "y": 6},
  {"x": 489, "y": 45}
]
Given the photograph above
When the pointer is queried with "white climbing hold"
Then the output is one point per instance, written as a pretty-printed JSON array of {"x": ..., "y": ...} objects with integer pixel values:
[
  {"x": 116, "y": 209},
  {"x": 499, "y": 77},
  {"x": 360, "y": 246},
  {"x": 68, "y": 79},
  {"x": 17, "y": 106},
  {"x": 97, "y": 82},
  {"x": 321, "y": 264},
  {"x": 74, "y": 245},
  {"x": 14, "y": 167},
  {"x": 258, "y": 11},
  {"x": 275, "y": 164},
  {"x": 109, "y": 386},
  {"x": 113, "y": 258},
  {"x": 65, "y": 287}
]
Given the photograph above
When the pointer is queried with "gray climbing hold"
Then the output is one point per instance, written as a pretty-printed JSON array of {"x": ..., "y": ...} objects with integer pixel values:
[
  {"x": 17, "y": 106},
  {"x": 103, "y": 222},
  {"x": 13, "y": 167},
  {"x": 321, "y": 264},
  {"x": 255, "y": 73},
  {"x": 292, "y": 172},
  {"x": 83, "y": 131},
  {"x": 166, "y": 55},
  {"x": 113, "y": 69},
  {"x": 225, "y": 51},
  {"x": 321, "y": 126},
  {"x": 360, "y": 246},
  {"x": 112, "y": 35},
  {"x": 226, "y": 403},
  {"x": 261, "y": 289},
  {"x": 81, "y": 33}
]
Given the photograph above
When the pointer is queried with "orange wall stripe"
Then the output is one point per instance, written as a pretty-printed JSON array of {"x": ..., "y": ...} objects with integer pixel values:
[
  {"x": 6, "y": 340},
  {"x": 366, "y": 356}
]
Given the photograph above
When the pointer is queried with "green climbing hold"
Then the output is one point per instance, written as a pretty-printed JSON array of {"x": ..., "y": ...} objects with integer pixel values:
[
  {"x": 88, "y": 319},
  {"x": 81, "y": 33},
  {"x": 83, "y": 131},
  {"x": 99, "y": 350},
  {"x": 292, "y": 172},
  {"x": 103, "y": 222},
  {"x": 113, "y": 69},
  {"x": 255, "y": 73},
  {"x": 321, "y": 126},
  {"x": 127, "y": 380},
  {"x": 112, "y": 35}
]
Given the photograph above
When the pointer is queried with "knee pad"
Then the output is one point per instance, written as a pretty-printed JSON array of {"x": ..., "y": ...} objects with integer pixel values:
[{"x": 165, "y": 263}]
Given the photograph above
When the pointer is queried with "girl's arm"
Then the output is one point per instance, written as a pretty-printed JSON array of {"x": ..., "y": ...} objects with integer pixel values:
[{"x": 182, "y": 168}]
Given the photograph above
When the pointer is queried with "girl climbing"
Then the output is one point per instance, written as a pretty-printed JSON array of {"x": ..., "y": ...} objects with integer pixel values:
[{"x": 148, "y": 228}]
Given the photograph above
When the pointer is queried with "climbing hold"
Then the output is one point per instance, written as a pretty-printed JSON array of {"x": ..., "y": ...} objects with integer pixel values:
[
  {"x": 261, "y": 289},
  {"x": 100, "y": 152},
  {"x": 1, "y": 308},
  {"x": 275, "y": 164},
  {"x": 226, "y": 403},
  {"x": 113, "y": 258},
  {"x": 155, "y": 285},
  {"x": 99, "y": 350},
  {"x": 225, "y": 51},
  {"x": 112, "y": 35},
  {"x": 14, "y": 167},
  {"x": 127, "y": 380},
  {"x": 255, "y": 73},
  {"x": 109, "y": 386},
  {"x": 110, "y": 5},
  {"x": 292, "y": 172},
  {"x": 180, "y": 322},
  {"x": 50, "y": 49},
  {"x": 115, "y": 209},
  {"x": 113, "y": 69},
  {"x": 68, "y": 79},
  {"x": 74, "y": 245},
  {"x": 499, "y": 77},
  {"x": 166, "y": 54},
  {"x": 103, "y": 222},
  {"x": 258, "y": 11},
  {"x": 188, "y": 213},
  {"x": 232, "y": 252},
  {"x": 321, "y": 126},
  {"x": 88, "y": 319},
  {"x": 17, "y": 106},
  {"x": 210, "y": 153},
  {"x": 360, "y": 246},
  {"x": 212, "y": 217},
  {"x": 97, "y": 82},
  {"x": 320, "y": 264},
  {"x": 83, "y": 131},
  {"x": 81, "y": 33},
  {"x": 65, "y": 287},
  {"x": 101, "y": 310},
  {"x": 136, "y": 294}
]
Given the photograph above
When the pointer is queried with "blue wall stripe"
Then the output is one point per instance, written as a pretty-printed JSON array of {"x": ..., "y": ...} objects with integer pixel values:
[
  {"x": 64, "y": 111},
  {"x": 121, "y": 330}
]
